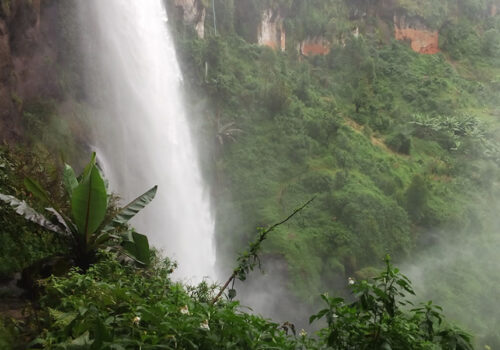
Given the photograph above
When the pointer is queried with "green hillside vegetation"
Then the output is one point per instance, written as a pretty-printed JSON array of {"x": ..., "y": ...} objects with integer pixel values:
[
  {"x": 392, "y": 143},
  {"x": 397, "y": 146}
]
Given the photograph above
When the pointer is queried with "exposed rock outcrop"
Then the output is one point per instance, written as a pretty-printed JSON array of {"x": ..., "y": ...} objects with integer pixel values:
[
  {"x": 315, "y": 46},
  {"x": 193, "y": 13},
  {"x": 27, "y": 58},
  {"x": 422, "y": 39},
  {"x": 7, "y": 82},
  {"x": 271, "y": 31},
  {"x": 493, "y": 10}
]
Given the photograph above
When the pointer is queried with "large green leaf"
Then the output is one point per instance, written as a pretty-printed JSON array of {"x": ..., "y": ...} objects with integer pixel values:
[
  {"x": 29, "y": 213},
  {"x": 137, "y": 247},
  {"x": 135, "y": 206},
  {"x": 88, "y": 168},
  {"x": 37, "y": 190},
  {"x": 89, "y": 203},
  {"x": 69, "y": 179}
]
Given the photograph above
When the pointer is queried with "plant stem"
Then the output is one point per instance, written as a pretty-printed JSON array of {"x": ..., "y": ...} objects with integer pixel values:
[
  {"x": 262, "y": 237},
  {"x": 232, "y": 277}
]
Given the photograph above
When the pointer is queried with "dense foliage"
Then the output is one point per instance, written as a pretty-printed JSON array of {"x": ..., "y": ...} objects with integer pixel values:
[
  {"x": 398, "y": 147},
  {"x": 21, "y": 243},
  {"x": 114, "y": 306},
  {"x": 351, "y": 128}
]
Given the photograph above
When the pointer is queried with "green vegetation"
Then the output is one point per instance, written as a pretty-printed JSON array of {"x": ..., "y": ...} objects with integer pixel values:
[
  {"x": 22, "y": 243},
  {"x": 119, "y": 306},
  {"x": 375, "y": 319},
  {"x": 111, "y": 303},
  {"x": 304, "y": 134},
  {"x": 397, "y": 146},
  {"x": 85, "y": 227}
]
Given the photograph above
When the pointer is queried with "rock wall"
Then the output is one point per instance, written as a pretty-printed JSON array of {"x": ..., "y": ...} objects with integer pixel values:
[
  {"x": 314, "y": 46},
  {"x": 271, "y": 31},
  {"x": 193, "y": 13},
  {"x": 27, "y": 59},
  {"x": 422, "y": 39}
]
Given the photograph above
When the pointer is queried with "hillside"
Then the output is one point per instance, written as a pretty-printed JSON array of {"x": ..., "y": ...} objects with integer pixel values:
[{"x": 386, "y": 111}]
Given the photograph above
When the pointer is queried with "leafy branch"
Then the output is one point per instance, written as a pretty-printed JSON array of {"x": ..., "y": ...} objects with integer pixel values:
[{"x": 250, "y": 258}]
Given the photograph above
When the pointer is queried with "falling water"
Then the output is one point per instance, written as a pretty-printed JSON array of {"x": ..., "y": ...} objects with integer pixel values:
[{"x": 142, "y": 136}]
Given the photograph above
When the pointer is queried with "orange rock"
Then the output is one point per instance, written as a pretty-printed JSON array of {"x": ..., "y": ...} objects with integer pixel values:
[
  {"x": 422, "y": 41},
  {"x": 315, "y": 46},
  {"x": 271, "y": 31}
]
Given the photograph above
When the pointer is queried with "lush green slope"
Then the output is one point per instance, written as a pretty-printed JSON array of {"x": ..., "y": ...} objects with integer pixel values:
[
  {"x": 399, "y": 148},
  {"x": 391, "y": 142}
]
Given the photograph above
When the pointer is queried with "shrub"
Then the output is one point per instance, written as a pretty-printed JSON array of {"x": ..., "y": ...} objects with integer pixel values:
[
  {"x": 378, "y": 318},
  {"x": 399, "y": 142},
  {"x": 116, "y": 306},
  {"x": 119, "y": 306}
]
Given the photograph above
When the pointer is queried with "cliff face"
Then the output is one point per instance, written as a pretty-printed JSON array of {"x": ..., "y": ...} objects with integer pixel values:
[
  {"x": 27, "y": 59},
  {"x": 271, "y": 31},
  {"x": 314, "y": 46},
  {"x": 422, "y": 39},
  {"x": 193, "y": 13},
  {"x": 266, "y": 25}
]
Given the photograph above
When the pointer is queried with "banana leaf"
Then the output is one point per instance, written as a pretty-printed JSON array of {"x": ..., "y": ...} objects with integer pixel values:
[
  {"x": 88, "y": 168},
  {"x": 69, "y": 179},
  {"x": 89, "y": 203},
  {"x": 131, "y": 209},
  {"x": 29, "y": 213},
  {"x": 37, "y": 190},
  {"x": 136, "y": 246}
]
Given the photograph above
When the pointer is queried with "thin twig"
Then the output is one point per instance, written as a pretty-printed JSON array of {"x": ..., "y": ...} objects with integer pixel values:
[{"x": 262, "y": 237}]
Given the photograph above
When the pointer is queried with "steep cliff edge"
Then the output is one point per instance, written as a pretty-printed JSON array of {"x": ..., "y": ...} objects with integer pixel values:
[
  {"x": 271, "y": 31},
  {"x": 193, "y": 13},
  {"x": 28, "y": 57}
]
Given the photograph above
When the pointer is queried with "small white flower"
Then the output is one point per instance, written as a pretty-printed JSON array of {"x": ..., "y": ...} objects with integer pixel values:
[
  {"x": 204, "y": 325},
  {"x": 136, "y": 320},
  {"x": 351, "y": 281},
  {"x": 184, "y": 310},
  {"x": 302, "y": 332},
  {"x": 335, "y": 316}
]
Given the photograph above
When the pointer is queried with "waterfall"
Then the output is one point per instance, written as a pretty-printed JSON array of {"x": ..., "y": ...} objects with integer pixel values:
[{"x": 141, "y": 132}]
